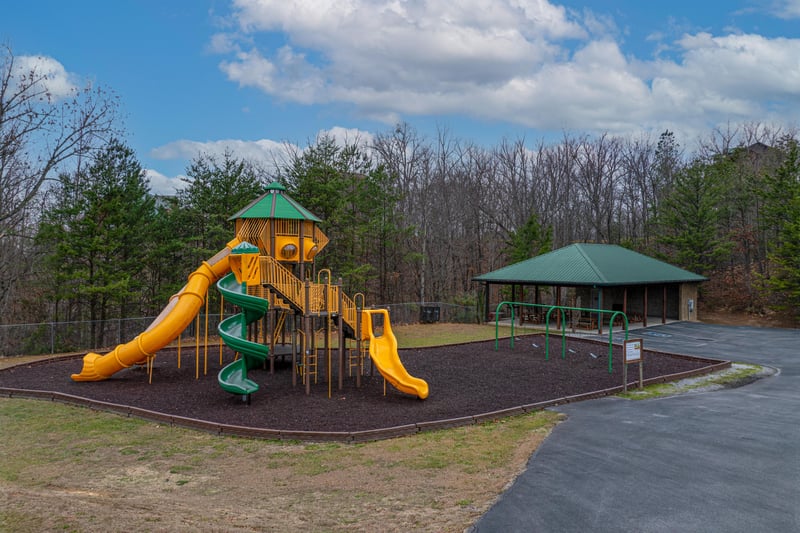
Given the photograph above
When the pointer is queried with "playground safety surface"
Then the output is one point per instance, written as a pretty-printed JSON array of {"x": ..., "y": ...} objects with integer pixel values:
[{"x": 468, "y": 383}]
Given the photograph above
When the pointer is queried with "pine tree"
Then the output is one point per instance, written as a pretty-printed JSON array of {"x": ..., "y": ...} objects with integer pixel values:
[
  {"x": 689, "y": 220},
  {"x": 216, "y": 189},
  {"x": 528, "y": 241},
  {"x": 355, "y": 200},
  {"x": 98, "y": 231},
  {"x": 782, "y": 218}
]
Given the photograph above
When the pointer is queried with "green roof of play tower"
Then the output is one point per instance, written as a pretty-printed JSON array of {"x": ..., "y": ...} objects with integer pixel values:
[{"x": 275, "y": 203}]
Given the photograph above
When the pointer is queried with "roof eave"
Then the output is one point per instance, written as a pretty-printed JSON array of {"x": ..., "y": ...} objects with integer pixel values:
[{"x": 564, "y": 283}]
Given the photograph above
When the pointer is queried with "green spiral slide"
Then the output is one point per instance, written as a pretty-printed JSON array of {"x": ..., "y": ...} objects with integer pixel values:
[{"x": 233, "y": 330}]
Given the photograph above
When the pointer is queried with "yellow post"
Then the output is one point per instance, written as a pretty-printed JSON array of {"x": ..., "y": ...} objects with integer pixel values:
[
  {"x": 197, "y": 347},
  {"x": 205, "y": 342}
]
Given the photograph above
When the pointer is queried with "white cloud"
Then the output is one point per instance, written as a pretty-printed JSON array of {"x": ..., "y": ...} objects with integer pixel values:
[
  {"x": 527, "y": 62},
  {"x": 443, "y": 46},
  {"x": 344, "y": 136},
  {"x": 264, "y": 152},
  {"x": 735, "y": 73},
  {"x": 786, "y": 9},
  {"x": 55, "y": 78},
  {"x": 223, "y": 43},
  {"x": 163, "y": 185}
]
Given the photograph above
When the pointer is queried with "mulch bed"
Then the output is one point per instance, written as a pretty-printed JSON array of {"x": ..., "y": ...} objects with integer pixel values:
[{"x": 465, "y": 381}]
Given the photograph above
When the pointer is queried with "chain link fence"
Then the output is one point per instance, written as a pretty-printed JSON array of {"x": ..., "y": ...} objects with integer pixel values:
[
  {"x": 66, "y": 337},
  {"x": 430, "y": 312}
]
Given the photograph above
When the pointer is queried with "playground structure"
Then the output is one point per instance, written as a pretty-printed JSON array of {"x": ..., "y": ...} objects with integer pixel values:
[
  {"x": 267, "y": 270},
  {"x": 561, "y": 320}
]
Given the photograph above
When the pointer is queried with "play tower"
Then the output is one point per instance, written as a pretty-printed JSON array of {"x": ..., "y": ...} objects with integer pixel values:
[
  {"x": 287, "y": 237},
  {"x": 288, "y": 308}
]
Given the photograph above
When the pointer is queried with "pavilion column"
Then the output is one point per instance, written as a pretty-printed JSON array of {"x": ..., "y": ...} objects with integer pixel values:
[
  {"x": 664, "y": 307},
  {"x": 514, "y": 299},
  {"x": 486, "y": 300},
  {"x": 644, "y": 313},
  {"x": 599, "y": 314},
  {"x": 558, "y": 303}
]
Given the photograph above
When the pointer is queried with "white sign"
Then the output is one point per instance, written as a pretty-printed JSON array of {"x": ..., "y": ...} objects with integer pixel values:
[
  {"x": 633, "y": 354},
  {"x": 633, "y": 351}
]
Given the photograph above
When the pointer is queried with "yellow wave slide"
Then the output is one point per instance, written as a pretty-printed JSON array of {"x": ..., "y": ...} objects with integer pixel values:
[{"x": 383, "y": 351}]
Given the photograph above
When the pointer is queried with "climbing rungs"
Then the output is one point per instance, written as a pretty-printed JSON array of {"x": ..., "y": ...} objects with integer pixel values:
[
  {"x": 309, "y": 367},
  {"x": 356, "y": 358}
]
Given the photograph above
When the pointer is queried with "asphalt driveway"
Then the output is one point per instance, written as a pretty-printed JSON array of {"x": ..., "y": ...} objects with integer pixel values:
[{"x": 727, "y": 460}]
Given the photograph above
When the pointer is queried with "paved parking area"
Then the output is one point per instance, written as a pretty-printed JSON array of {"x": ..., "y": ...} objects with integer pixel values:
[{"x": 727, "y": 460}]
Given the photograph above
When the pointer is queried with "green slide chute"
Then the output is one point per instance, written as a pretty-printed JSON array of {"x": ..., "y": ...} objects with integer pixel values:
[{"x": 233, "y": 330}]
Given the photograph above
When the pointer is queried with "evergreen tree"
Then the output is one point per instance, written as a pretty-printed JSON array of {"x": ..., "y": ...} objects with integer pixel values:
[
  {"x": 666, "y": 165},
  {"x": 216, "y": 189},
  {"x": 98, "y": 231},
  {"x": 782, "y": 218},
  {"x": 355, "y": 200},
  {"x": 166, "y": 266},
  {"x": 528, "y": 241},
  {"x": 689, "y": 220}
]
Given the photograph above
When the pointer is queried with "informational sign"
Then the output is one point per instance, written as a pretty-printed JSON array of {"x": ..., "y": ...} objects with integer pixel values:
[{"x": 632, "y": 353}]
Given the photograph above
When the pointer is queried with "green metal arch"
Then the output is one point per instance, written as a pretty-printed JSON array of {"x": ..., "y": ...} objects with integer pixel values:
[{"x": 562, "y": 310}]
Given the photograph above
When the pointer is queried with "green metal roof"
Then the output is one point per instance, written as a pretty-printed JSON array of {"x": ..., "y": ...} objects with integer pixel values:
[
  {"x": 275, "y": 203},
  {"x": 598, "y": 265}
]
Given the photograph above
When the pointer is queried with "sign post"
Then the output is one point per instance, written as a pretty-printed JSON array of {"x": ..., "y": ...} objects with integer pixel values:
[{"x": 632, "y": 354}]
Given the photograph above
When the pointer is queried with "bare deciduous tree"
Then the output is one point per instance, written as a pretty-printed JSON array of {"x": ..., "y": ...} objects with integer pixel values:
[{"x": 45, "y": 121}]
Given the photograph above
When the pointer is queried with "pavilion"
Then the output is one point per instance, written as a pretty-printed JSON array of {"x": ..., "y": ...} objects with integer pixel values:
[{"x": 597, "y": 276}]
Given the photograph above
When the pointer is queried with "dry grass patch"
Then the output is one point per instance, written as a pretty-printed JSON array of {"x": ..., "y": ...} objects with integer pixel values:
[{"x": 73, "y": 469}]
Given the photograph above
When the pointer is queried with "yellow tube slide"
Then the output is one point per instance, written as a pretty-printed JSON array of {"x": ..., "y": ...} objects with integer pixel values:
[
  {"x": 383, "y": 351},
  {"x": 179, "y": 313}
]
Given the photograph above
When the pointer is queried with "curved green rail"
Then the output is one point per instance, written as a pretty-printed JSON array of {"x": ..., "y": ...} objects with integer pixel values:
[
  {"x": 562, "y": 310},
  {"x": 233, "y": 330}
]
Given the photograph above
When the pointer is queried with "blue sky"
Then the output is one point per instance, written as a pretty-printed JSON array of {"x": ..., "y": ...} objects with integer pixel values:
[{"x": 251, "y": 75}]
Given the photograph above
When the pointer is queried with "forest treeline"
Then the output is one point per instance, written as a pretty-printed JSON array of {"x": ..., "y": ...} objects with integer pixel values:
[{"x": 410, "y": 218}]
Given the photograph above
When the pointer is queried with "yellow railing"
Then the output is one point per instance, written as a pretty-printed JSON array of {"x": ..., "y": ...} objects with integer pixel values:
[
  {"x": 252, "y": 231},
  {"x": 349, "y": 311},
  {"x": 322, "y": 297},
  {"x": 287, "y": 226},
  {"x": 316, "y": 298},
  {"x": 279, "y": 326},
  {"x": 282, "y": 281},
  {"x": 319, "y": 238}
]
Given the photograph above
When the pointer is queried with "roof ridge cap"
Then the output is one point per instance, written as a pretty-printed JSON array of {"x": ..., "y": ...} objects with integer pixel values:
[{"x": 591, "y": 264}]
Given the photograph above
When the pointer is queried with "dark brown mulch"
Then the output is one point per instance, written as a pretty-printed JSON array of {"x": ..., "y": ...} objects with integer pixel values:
[{"x": 464, "y": 380}]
